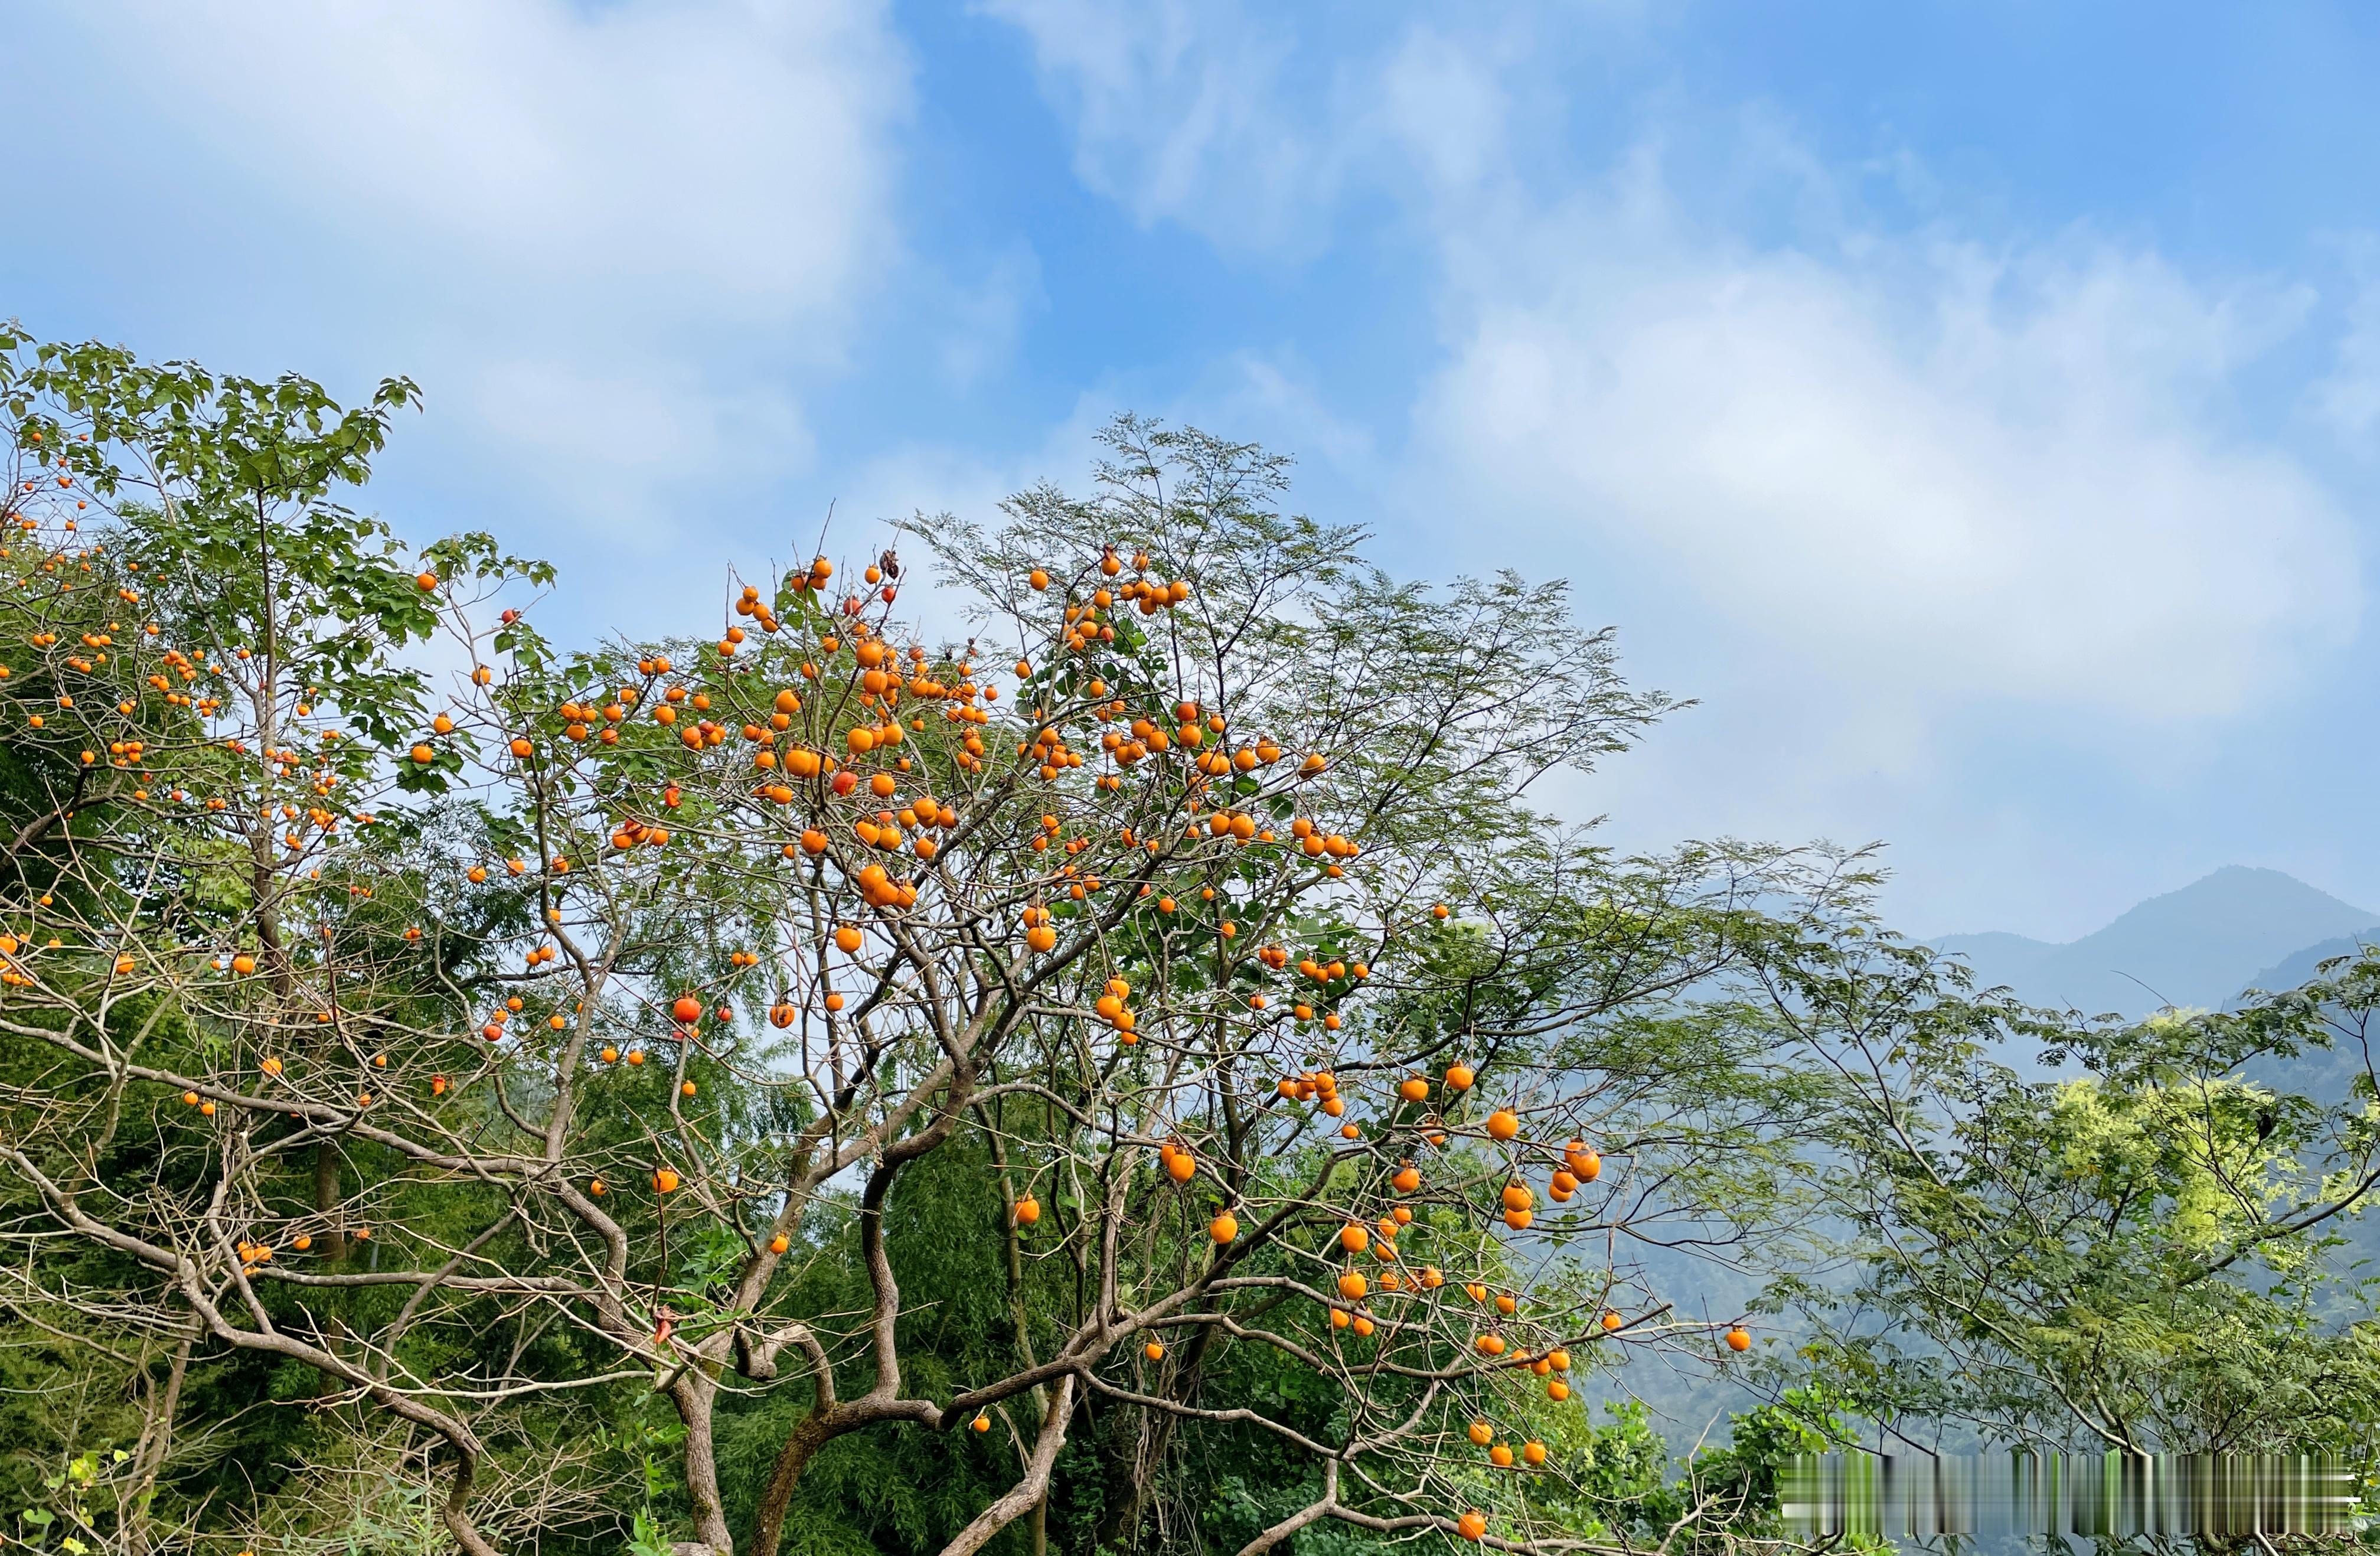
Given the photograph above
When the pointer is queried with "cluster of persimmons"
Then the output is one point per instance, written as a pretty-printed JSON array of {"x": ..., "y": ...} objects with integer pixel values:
[{"x": 809, "y": 857}]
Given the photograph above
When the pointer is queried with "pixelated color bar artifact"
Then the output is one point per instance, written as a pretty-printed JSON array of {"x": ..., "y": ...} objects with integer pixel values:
[{"x": 2089, "y": 1495}]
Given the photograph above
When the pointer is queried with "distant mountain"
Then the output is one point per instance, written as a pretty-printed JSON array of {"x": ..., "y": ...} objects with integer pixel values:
[
  {"x": 2303, "y": 966},
  {"x": 2326, "y": 1075},
  {"x": 1999, "y": 959},
  {"x": 2199, "y": 947}
]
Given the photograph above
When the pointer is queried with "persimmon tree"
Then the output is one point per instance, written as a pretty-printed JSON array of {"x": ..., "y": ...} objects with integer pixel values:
[
  {"x": 1126, "y": 931},
  {"x": 1267, "y": 1061},
  {"x": 533, "y": 1036}
]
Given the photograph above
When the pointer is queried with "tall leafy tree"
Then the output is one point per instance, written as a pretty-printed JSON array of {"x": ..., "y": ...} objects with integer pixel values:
[{"x": 2138, "y": 1255}]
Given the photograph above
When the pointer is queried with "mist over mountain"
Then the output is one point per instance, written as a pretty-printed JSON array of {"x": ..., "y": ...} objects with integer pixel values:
[{"x": 2237, "y": 929}]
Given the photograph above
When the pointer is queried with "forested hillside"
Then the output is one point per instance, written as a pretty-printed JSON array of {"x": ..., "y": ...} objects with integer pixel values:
[{"x": 1137, "y": 1076}]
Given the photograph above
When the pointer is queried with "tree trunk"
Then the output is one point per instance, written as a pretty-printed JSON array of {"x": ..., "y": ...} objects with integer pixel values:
[
  {"x": 1133, "y": 1465},
  {"x": 770, "y": 1526},
  {"x": 328, "y": 1192},
  {"x": 156, "y": 1440},
  {"x": 694, "y": 1394}
]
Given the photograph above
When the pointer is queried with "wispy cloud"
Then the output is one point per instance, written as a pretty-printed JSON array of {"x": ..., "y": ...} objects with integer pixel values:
[
  {"x": 1915, "y": 499},
  {"x": 708, "y": 162},
  {"x": 2347, "y": 397},
  {"x": 1975, "y": 472},
  {"x": 1968, "y": 468}
]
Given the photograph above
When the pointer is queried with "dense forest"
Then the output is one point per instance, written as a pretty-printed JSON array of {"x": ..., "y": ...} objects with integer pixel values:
[{"x": 1131, "y": 1073}]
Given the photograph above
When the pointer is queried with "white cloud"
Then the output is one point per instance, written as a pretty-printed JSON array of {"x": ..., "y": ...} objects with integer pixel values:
[
  {"x": 1245, "y": 395},
  {"x": 1960, "y": 534},
  {"x": 615, "y": 244},
  {"x": 1980, "y": 474},
  {"x": 631, "y": 431},
  {"x": 986, "y": 315},
  {"x": 1252, "y": 126},
  {"x": 1447, "y": 107},
  {"x": 927, "y": 480},
  {"x": 2349, "y": 397},
  {"x": 711, "y": 161},
  {"x": 1179, "y": 113},
  {"x": 1277, "y": 400},
  {"x": 1906, "y": 458}
]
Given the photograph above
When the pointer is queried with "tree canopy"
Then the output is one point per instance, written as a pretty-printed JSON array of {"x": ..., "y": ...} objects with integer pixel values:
[{"x": 1139, "y": 1077}]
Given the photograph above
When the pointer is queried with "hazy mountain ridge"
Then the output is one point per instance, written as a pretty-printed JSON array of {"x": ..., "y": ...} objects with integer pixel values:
[
  {"x": 2306, "y": 964},
  {"x": 2204, "y": 945},
  {"x": 2237, "y": 929}
]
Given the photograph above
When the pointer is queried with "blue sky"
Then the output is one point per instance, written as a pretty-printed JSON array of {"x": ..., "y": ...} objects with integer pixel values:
[{"x": 1975, "y": 407}]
